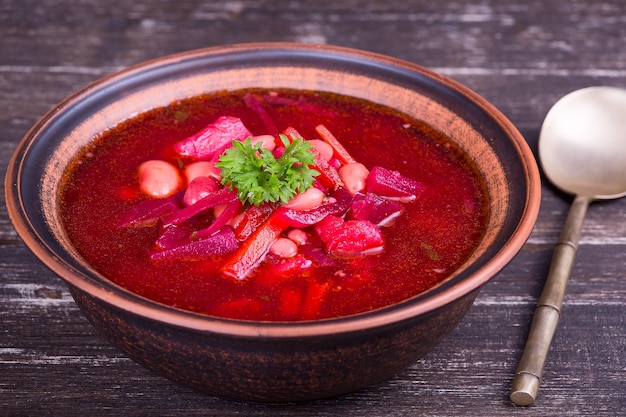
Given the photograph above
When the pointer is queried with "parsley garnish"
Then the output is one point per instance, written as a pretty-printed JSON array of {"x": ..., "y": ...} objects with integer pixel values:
[{"x": 259, "y": 177}]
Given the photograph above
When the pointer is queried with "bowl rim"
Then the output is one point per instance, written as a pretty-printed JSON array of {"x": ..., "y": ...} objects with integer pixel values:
[{"x": 123, "y": 299}]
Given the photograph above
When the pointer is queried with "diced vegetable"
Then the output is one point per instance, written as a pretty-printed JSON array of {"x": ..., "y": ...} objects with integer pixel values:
[
  {"x": 295, "y": 218},
  {"x": 148, "y": 212},
  {"x": 253, "y": 218},
  {"x": 392, "y": 184},
  {"x": 173, "y": 236},
  {"x": 376, "y": 209},
  {"x": 221, "y": 196},
  {"x": 343, "y": 221},
  {"x": 340, "y": 152},
  {"x": 220, "y": 243},
  {"x": 318, "y": 255},
  {"x": 213, "y": 139},
  {"x": 283, "y": 270},
  {"x": 349, "y": 238},
  {"x": 329, "y": 177},
  {"x": 232, "y": 208},
  {"x": 252, "y": 251}
]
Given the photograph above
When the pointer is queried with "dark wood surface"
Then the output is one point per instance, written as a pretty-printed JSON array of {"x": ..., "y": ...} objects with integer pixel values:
[{"x": 522, "y": 55}]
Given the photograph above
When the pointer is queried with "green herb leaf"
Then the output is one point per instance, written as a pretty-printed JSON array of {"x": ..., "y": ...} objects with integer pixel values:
[{"x": 258, "y": 177}]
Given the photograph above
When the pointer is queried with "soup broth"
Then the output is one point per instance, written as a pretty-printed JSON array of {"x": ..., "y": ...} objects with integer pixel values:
[{"x": 433, "y": 234}]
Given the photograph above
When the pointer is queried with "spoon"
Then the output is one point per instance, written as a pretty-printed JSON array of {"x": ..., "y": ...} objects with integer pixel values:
[{"x": 582, "y": 149}]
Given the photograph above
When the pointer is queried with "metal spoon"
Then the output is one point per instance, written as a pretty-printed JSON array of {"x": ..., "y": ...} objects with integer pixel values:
[{"x": 582, "y": 149}]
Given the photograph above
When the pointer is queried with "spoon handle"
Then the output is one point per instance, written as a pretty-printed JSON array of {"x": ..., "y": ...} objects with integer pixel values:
[{"x": 530, "y": 369}]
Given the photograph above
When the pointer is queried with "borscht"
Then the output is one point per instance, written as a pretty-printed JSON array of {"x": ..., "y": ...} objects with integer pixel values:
[{"x": 274, "y": 205}]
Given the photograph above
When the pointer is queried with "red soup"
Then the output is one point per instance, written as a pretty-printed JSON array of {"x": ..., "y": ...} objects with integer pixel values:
[{"x": 277, "y": 205}]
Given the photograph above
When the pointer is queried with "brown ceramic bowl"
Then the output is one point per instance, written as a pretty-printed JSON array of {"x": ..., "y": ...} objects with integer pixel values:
[{"x": 261, "y": 361}]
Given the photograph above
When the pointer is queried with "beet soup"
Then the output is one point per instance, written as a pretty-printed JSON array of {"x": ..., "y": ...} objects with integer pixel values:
[{"x": 203, "y": 205}]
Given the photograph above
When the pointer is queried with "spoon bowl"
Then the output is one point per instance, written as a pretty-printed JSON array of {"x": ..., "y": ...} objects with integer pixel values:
[
  {"x": 582, "y": 144},
  {"x": 582, "y": 149}
]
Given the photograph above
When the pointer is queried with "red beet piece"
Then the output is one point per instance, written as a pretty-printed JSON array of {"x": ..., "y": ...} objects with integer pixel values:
[
  {"x": 222, "y": 242},
  {"x": 295, "y": 218},
  {"x": 318, "y": 255},
  {"x": 290, "y": 266},
  {"x": 173, "y": 236},
  {"x": 148, "y": 212},
  {"x": 213, "y": 139},
  {"x": 221, "y": 196},
  {"x": 392, "y": 184},
  {"x": 329, "y": 177},
  {"x": 376, "y": 209},
  {"x": 349, "y": 238},
  {"x": 227, "y": 214}
]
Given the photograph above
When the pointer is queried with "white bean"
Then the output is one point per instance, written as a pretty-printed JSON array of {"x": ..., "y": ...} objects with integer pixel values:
[
  {"x": 353, "y": 176},
  {"x": 158, "y": 178},
  {"x": 307, "y": 200},
  {"x": 283, "y": 247},
  {"x": 323, "y": 148},
  {"x": 267, "y": 140},
  {"x": 201, "y": 169},
  {"x": 299, "y": 236}
]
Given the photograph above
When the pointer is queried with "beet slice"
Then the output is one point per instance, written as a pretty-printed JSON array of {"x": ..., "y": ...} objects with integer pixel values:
[
  {"x": 213, "y": 139},
  {"x": 295, "y": 218},
  {"x": 220, "y": 243},
  {"x": 350, "y": 238},
  {"x": 392, "y": 184},
  {"x": 378, "y": 210},
  {"x": 221, "y": 196},
  {"x": 148, "y": 212}
]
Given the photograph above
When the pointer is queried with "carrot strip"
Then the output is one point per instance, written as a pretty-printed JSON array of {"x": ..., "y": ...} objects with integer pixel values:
[
  {"x": 252, "y": 251},
  {"x": 339, "y": 150},
  {"x": 252, "y": 218},
  {"x": 329, "y": 177}
]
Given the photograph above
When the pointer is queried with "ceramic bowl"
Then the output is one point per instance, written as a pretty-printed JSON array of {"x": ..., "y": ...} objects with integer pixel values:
[{"x": 261, "y": 361}]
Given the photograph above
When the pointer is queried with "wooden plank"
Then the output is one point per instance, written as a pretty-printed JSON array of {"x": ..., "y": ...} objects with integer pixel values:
[{"x": 520, "y": 55}]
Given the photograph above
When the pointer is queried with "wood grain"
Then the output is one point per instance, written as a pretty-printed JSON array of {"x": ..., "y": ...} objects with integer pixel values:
[{"x": 520, "y": 55}]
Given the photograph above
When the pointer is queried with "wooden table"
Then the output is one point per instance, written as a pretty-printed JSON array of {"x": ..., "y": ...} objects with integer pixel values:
[{"x": 522, "y": 55}]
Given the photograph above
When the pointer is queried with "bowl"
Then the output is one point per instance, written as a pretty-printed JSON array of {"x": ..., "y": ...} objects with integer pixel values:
[{"x": 271, "y": 362}]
